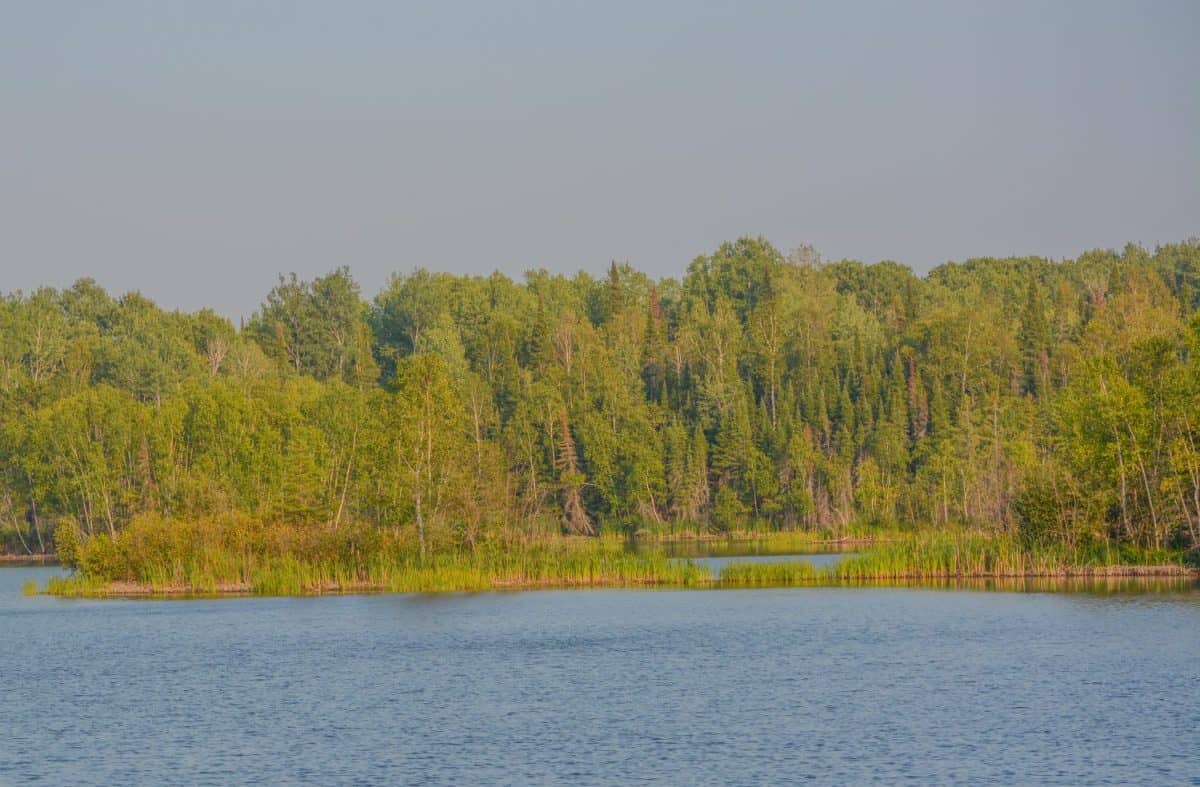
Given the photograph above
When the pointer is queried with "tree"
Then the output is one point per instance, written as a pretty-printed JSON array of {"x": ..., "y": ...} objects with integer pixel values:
[{"x": 317, "y": 328}]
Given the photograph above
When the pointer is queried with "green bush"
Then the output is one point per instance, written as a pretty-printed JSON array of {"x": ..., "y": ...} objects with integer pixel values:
[
  {"x": 67, "y": 540},
  {"x": 1038, "y": 519},
  {"x": 101, "y": 557}
]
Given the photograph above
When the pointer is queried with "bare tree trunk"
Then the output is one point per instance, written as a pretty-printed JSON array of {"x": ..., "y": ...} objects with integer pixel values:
[
  {"x": 346, "y": 478},
  {"x": 420, "y": 522},
  {"x": 1194, "y": 473},
  {"x": 16, "y": 525},
  {"x": 966, "y": 359},
  {"x": 37, "y": 530},
  {"x": 1146, "y": 486},
  {"x": 1121, "y": 467}
]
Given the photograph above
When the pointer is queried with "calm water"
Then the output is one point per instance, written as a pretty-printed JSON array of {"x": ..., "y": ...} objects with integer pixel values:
[
  {"x": 817, "y": 559},
  {"x": 717, "y": 554},
  {"x": 603, "y": 687}
]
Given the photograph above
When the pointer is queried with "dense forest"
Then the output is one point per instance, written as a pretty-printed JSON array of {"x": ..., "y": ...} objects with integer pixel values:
[{"x": 1055, "y": 400}]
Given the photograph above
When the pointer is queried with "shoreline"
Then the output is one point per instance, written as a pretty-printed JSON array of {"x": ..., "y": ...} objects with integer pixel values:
[
  {"x": 125, "y": 589},
  {"x": 795, "y": 537},
  {"x": 8, "y": 557}
]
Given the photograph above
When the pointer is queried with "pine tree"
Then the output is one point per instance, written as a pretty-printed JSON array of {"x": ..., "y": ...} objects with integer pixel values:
[{"x": 1034, "y": 342}]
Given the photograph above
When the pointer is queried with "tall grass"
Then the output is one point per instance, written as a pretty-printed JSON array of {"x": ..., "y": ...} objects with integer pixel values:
[
  {"x": 953, "y": 556},
  {"x": 210, "y": 567},
  {"x": 765, "y": 533},
  {"x": 781, "y": 574},
  {"x": 239, "y": 556},
  {"x": 978, "y": 555}
]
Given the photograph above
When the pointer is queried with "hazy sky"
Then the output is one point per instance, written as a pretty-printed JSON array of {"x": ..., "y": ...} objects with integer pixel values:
[{"x": 194, "y": 150}]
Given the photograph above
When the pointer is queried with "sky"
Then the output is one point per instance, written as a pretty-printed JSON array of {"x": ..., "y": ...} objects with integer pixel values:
[{"x": 195, "y": 150}]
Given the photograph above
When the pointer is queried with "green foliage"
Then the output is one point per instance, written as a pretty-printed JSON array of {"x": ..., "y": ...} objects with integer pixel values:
[
  {"x": 67, "y": 544},
  {"x": 233, "y": 554},
  {"x": 1038, "y": 513},
  {"x": 101, "y": 556},
  {"x": 236, "y": 554},
  {"x": 783, "y": 573},
  {"x": 1050, "y": 402},
  {"x": 942, "y": 555}
]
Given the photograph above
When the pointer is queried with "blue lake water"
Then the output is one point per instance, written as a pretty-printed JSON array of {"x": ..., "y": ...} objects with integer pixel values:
[
  {"x": 817, "y": 559},
  {"x": 821, "y": 685}
]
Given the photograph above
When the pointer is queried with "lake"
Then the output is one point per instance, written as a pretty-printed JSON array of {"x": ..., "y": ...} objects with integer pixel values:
[
  {"x": 821, "y": 685},
  {"x": 716, "y": 554},
  {"x": 715, "y": 563}
]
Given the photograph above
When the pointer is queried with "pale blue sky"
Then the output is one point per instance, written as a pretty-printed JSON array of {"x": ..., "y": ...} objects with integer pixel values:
[{"x": 194, "y": 150}]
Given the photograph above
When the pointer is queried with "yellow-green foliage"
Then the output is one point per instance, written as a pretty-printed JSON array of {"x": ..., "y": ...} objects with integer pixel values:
[
  {"x": 77, "y": 585},
  {"x": 779, "y": 574},
  {"x": 980, "y": 555},
  {"x": 952, "y": 556},
  {"x": 234, "y": 553},
  {"x": 66, "y": 541},
  {"x": 462, "y": 410}
]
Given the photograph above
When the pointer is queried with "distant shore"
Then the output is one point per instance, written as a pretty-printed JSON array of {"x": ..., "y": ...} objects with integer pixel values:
[{"x": 6, "y": 558}]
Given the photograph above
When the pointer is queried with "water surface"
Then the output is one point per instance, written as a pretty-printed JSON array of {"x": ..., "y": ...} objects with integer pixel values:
[
  {"x": 817, "y": 559},
  {"x": 828, "y": 685}
]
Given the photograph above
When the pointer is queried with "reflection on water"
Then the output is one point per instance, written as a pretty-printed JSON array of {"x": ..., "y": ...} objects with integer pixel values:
[
  {"x": 1184, "y": 587},
  {"x": 740, "y": 548},
  {"x": 716, "y": 554},
  {"x": 817, "y": 559},
  {"x": 14, "y": 578}
]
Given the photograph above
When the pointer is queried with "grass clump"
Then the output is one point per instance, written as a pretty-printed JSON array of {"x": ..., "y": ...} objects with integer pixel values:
[
  {"x": 233, "y": 555},
  {"x": 781, "y": 574},
  {"x": 978, "y": 555}
]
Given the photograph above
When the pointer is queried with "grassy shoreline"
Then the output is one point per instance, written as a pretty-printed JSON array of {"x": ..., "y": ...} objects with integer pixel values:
[
  {"x": 12, "y": 558},
  {"x": 610, "y": 563},
  {"x": 81, "y": 588},
  {"x": 798, "y": 538}
]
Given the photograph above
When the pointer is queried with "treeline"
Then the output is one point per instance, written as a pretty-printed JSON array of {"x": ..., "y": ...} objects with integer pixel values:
[{"x": 1054, "y": 400}]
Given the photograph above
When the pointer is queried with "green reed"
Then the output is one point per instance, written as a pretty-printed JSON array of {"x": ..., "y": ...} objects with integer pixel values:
[
  {"x": 603, "y": 562},
  {"x": 984, "y": 555},
  {"x": 235, "y": 557},
  {"x": 781, "y": 574}
]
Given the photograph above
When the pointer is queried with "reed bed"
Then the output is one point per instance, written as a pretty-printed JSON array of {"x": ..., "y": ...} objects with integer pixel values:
[
  {"x": 978, "y": 555},
  {"x": 567, "y": 563},
  {"x": 962, "y": 556},
  {"x": 778, "y": 540},
  {"x": 221, "y": 559},
  {"x": 781, "y": 574}
]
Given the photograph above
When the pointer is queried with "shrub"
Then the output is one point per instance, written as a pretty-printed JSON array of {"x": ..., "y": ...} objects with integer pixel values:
[
  {"x": 101, "y": 557},
  {"x": 67, "y": 540},
  {"x": 1038, "y": 518}
]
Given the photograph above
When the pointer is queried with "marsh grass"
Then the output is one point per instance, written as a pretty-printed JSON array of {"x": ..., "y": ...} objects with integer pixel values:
[
  {"x": 780, "y": 540},
  {"x": 961, "y": 556},
  {"x": 781, "y": 574},
  {"x": 78, "y": 585},
  {"x": 227, "y": 557},
  {"x": 603, "y": 562},
  {"x": 979, "y": 555}
]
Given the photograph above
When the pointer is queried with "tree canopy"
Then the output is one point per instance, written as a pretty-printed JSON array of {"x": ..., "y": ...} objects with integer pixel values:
[{"x": 1056, "y": 400}]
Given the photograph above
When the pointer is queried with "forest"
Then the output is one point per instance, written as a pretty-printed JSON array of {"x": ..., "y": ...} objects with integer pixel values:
[{"x": 1055, "y": 402}]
